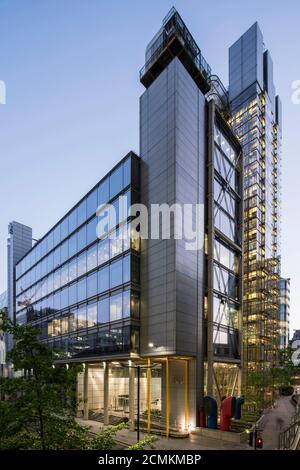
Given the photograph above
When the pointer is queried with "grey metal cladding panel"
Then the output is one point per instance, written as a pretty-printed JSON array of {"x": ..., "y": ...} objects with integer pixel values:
[
  {"x": 268, "y": 78},
  {"x": 190, "y": 174},
  {"x": 158, "y": 294},
  {"x": 246, "y": 61},
  {"x": 171, "y": 146}
]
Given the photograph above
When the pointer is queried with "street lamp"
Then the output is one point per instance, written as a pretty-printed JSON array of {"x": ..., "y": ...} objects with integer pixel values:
[{"x": 138, "y": 368}]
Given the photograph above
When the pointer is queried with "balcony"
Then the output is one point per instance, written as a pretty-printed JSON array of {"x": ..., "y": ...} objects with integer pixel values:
[{"x": 175, "y": 40}]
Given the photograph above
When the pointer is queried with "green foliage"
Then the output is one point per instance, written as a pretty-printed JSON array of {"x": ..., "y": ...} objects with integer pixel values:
[
  {"x": 278, "y": 378},
  {"x": 38, "y": 413},
  {"x": 147, "y": 441},
  {"x": 287, "y": 390},
  {"x": 40, "y": 393}
]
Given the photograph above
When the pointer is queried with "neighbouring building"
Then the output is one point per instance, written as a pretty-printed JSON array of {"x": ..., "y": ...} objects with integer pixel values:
[
  {"x": 256, "y": 119},
  {"x": 295, "y": 340},
  {"x": 284, "y": 320}
]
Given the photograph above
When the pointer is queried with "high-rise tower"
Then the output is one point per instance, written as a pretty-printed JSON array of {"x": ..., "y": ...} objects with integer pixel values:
[{"x": 256, "y": 120}]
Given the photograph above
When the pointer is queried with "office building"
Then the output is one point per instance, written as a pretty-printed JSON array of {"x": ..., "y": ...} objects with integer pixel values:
[
  {"x": 256, "y": 120},
  {"x": 150, "y": 314},
  {"x": 284, "y": 319}
]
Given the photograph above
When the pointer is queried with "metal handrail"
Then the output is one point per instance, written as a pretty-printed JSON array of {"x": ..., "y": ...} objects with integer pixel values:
[
  {"x": 287, "y": 437},
  {"x": 179, "y": 29}
]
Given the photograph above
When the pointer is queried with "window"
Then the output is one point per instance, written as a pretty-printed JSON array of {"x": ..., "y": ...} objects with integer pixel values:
[
  {"x": 126, "y": 304},
  {"x": 126, "y": 269},
  {"x": 57, "y": 279},
  {"x": 116, "y": 273},
  {"x": 116, "y": 244},
  {"x": 81, "y": 290},
  {"x": 72, "y": 270},
  {"x": 50, "y": 244},
  {"x": 126, "y": 233},
  {"x": 56, "y": 301},
  {"x": 73, "y": 293},
  {"x": 43, "y": 252},
  {"x": 92, "y": 258},
  {"x": 56, "y": 254},
  {"x": 56, "y": 235},
  {"x": 103, "y": 192},
  {"x": 103, "y": 310},
  {"x": 50, "y": 262},
  {"x": 81, "y": 238},
  {"x": 72, "y": 245},
  {"x": 81, "y": 317},
  {"x": 56, "y": 325},
  {"x": 116, "y": 181},
  {"x": 65, "y": 323},
  {"x": 135, "y": 305},
  {"x": 127, "y": 172},
  {"x": 92, "y": 285},
  {"x": 81, "y": 212},
  {"x": 103, "y": 251},
  {"x": 64, "y": 252},
  {"x": 125, "y": 203},
  {"x": 116, "y": 307},
  {"x": 50, "y": 283},
  {"x": 73, "y": 221},
  {"x": 38, "y": 272},
  {"x": 72, "y": 321},
  {"x": 91, "y": 231},
  {"x": 114, "y": 214},
  {"x": 103, "y": 279},
  {"x": 64, "y": 275},
  {"x": 92, "y": 315},
  {"x": 103, "y": 222},
  {"x": 92, "y": 203},
  {"x": 64, "y": 298},
  {"x": 64, "y": 229},
  {"x": 43, "y": 270},
  {"x": 81, "y": 264}
]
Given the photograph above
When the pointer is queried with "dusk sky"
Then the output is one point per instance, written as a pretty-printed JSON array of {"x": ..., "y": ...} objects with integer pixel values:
[{"x": 71, "y": 69}]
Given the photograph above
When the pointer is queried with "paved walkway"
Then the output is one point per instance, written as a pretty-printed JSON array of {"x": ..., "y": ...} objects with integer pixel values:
[
  {"x": 126, "y": 438},
  {"x": 276, "y": 420}
]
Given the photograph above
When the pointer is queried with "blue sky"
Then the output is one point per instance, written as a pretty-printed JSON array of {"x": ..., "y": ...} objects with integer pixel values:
[{"x": 71, "y": 72}]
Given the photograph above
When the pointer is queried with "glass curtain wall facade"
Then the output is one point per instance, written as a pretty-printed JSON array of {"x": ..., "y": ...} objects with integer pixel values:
[
  {"x": 224, "y": 256},
  {"x": 284, "y": 325},
  {"x": 80, "y": 285},
  {"x": 256, "y": 120}
]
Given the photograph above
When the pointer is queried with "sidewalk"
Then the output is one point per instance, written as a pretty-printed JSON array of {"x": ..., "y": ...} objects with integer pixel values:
[
  {"x": 126, "y": 438},
  {"x": 275, "y": 420}
]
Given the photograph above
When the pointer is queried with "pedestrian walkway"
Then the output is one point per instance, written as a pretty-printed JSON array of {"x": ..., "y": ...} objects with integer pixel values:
[
  {"x": 275, "y": 420},
  {"x": 127, "y": 438}
]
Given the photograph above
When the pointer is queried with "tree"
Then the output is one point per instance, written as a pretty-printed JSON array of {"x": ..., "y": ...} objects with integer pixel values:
[
  {"x": 284, "y": 374},
  {"x": 41, "y": 393},
  {"x": 38, "y": 413}
]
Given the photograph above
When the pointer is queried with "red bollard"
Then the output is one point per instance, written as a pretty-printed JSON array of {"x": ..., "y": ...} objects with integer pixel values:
[
  {"x": 202, "y": 418},
  {"x": 227, "y": 412}
]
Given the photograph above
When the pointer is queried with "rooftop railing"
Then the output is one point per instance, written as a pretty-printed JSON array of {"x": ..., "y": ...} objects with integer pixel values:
[{"x": 173, "y": 26}]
